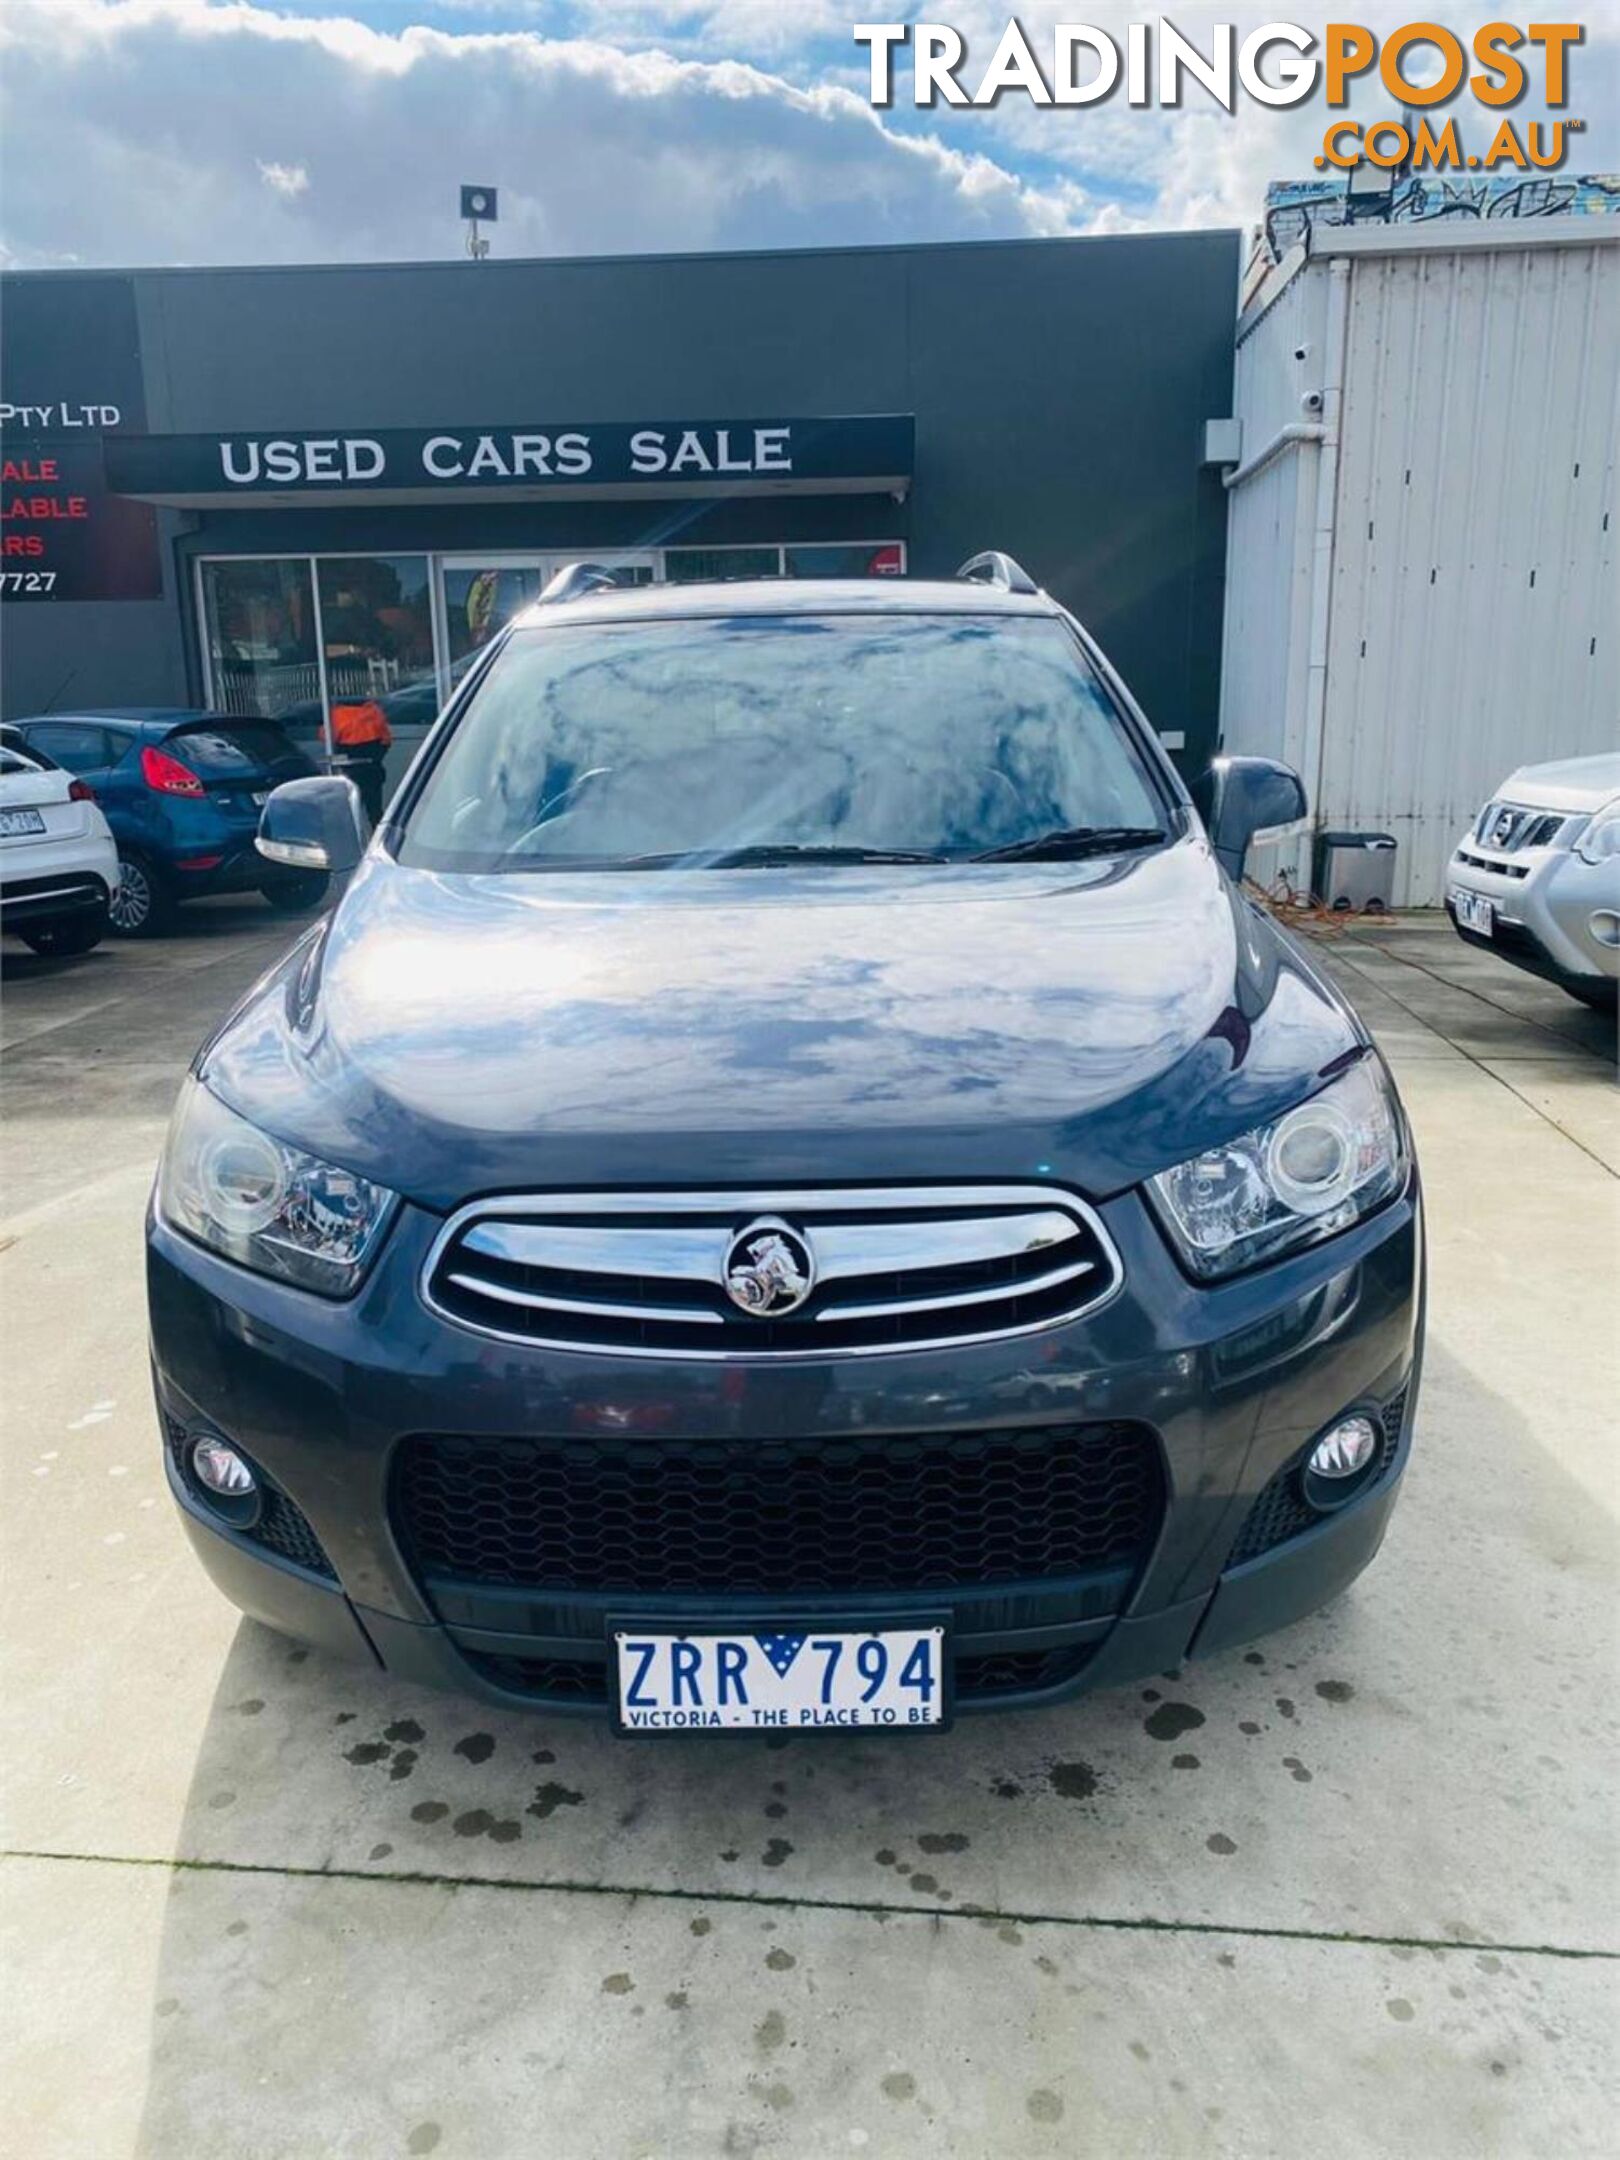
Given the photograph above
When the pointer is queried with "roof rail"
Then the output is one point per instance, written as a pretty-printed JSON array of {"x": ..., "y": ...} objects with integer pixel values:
[
  {"x": 994, "y": 568},
  {"x": 574, "y": 580}
]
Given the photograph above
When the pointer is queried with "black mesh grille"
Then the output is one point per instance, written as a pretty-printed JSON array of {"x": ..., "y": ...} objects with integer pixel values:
[
  {"x": 1282, "y": 1511},
  {"x": 914, "y": 1512},
  {"x": 586, "y": 1679},
  {"x": 1017, "y": 1672},
  {"x": 282, "y": 1525}
]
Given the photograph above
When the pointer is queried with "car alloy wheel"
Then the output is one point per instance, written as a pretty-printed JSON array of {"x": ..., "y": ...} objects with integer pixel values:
[{"x": 135, "y": 902}]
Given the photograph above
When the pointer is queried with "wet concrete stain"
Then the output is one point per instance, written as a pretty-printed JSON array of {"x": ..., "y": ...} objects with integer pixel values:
[
  {"x": 403, "y": 1764},
  {"x": 550, "y": 1797},
  {"x": 1184, "y": 1762},
  {"x": 167, "y": 2007},
  {"x": 1220, "y": 1843},
  {"x": 367, "y": 1751},
  {"x": 222, "y": 1800},
  {"x": 423, "y": 2138},
  {"x": 251, "y": 1707},
  {"x": 1007, "y": 1789},
  {"x": 1141, "y": 2050},
  {"x": 1296, "y": 1770},
  {"x": 884, "y": 1856},
  {"x": 1047, "y": 1965},
  {"x": 780, "y": 1960},
  {"x": 479, "y": 1822},
  {"x": 542, "y": 1755},
  {"x": 925, "y": 1884},
  {"x": 1151, "y": 1694},
  {"x": 1335, "y": 1691},
  {"x": 617, "y": 1984},
  {"x": 778, "y": 2096},
  {"x": 774, "y": 1854},
  {"x": 237, "y": 1927},
  {"x": 700, "y": 1926},
  {"x": 1010, "y": 1935},
  {"x": 1044, "y": 2106},
  {"x": 1171, "y": 1720},
  {"x": 899, "y": 2086},
  {"x": 775, "y": 1809},
  {"x": 404, "y": 1729},
  {"x": 770, "y": 2032},
  {"x": 1253, "y": 1657},
  {"x": 677, "y": 1999},
  {"x": 1284, "y": 1707},
  {"x": 1247, "y": 1725},
  {"x": 1489, "y": 1964},
  {"x": 1077, "y": 1780},
  {"x": 1227, "y": 1959},
  {"x": 1400, "y": 2010},
  {"x": 938, "y": 1841},
  {"x": 430, "y": 1811},
  {"x": 379, "y": 1852},
  {"x": 733, "y": 1854},
  {"x": 477, "y": 1747},
  {"x": 345, "y": 1717}
]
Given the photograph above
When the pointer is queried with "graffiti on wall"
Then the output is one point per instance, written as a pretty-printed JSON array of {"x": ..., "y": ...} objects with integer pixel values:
[{"x": 1296, "y": 208}]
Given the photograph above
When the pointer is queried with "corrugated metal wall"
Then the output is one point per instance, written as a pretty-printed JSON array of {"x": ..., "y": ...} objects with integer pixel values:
[{"x": 1474, "y": 588}]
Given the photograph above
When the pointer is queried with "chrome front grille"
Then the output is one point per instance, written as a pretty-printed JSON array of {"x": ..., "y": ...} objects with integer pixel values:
[
  {"x": 1507, "y": 827},
  {"x": 672, "y": 1274}
]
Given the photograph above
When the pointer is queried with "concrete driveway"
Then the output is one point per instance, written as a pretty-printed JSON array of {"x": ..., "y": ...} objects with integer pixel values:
[{"x": 1352, "y": 1892}]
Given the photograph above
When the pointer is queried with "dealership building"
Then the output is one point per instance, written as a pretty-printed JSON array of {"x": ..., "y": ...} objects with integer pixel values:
[
  {"x": 275, "y": 490},
  {"x": 1391, "y": 560}
]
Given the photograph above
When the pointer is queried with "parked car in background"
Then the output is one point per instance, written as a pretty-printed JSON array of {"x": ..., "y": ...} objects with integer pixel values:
[
  {"x": 1537, "y": 878},
  {"x": 182, "y": 792},
  {"x": 58, "y": 863}
]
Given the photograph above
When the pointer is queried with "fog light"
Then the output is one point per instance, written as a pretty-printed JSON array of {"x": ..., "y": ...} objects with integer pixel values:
[
  {"x": 222, "y": 1470},
  {"x": 1344, "y": 1450}
]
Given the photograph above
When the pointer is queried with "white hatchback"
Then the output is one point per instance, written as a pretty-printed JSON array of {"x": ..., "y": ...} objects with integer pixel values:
[{"x": 58, "y": 861}]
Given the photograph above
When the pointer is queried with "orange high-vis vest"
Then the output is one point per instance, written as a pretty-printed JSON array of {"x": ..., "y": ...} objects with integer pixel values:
[{"x": 362, "y": 723}]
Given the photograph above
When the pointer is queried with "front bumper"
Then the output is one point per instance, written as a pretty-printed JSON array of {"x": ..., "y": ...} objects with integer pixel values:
[
  {"x": 1556, "y": 915},
  {"x": 1232, "y": 1383}
]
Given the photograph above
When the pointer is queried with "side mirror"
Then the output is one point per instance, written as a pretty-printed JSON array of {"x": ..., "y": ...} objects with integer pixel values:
[
  {"x": 1246, "y": 796},
  {"x": 314, "y": 824}
]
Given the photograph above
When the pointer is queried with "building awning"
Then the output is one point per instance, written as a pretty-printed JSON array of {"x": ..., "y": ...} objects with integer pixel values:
[{"x": 539, "y": 461}]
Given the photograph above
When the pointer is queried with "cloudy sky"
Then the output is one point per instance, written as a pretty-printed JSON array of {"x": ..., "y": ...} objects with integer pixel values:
[{"x": 210, "y": 131}]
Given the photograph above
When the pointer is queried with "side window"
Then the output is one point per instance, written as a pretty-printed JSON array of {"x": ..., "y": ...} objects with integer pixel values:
[{"x": 80, "y": 746}]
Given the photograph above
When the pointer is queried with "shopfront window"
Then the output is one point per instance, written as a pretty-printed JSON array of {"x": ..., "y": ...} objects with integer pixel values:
[
  {"x": 259, "y": 623},
  {"x": 860, "y": 558},
  {"x": 690, "y": 566},
  {"x": 480, "y": 597}
]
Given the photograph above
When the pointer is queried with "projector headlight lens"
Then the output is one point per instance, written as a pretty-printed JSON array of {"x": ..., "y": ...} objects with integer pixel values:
[
  {"x": 1312, "y": 1172},
  {"x": 265, "y": 1205}
]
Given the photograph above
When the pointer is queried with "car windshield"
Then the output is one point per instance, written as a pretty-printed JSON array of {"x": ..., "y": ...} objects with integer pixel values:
[{"x": 754, "y": 737}]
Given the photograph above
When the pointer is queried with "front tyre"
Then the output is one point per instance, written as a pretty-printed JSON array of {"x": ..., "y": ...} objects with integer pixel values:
[
  {"x": 66, "y": 939},
  {"x": 142, "y": 905},
  {"x": 298, "y": 894}
]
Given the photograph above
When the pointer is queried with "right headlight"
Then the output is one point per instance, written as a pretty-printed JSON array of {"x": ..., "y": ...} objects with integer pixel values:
[
  {"x": 1312, "y": 1172},
  {"x": 265, "y": 1205}
]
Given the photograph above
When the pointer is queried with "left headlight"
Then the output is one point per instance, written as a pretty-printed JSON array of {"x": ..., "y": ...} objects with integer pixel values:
[
  {"x": 1600, "y": 842},
  {"x": 1309, "y": 1173},
  {"x": 263, "y": 1204}
]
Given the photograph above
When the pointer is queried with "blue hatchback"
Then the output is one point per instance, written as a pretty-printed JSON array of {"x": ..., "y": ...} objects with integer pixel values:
[{"x": 182, "y": 791}]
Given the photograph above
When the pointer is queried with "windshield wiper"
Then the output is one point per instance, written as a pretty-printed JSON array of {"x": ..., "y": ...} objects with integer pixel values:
[
  {"x": 1076, "y": 840},
  {"x": 766, "y": 853}
]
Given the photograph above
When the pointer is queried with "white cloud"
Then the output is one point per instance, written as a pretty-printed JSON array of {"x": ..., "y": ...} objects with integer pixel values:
[
  {"x": 286, "y": 180},
  {"x": 124, "y": 131}
]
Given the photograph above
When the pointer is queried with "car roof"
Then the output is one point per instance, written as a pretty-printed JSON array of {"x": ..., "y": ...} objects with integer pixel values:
[
  {"x": 786, "y": 596},
  {"x": 164, "y": 717}
]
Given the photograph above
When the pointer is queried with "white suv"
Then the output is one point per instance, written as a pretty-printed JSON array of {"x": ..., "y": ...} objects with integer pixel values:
[
  {"x": 1537, "y": 876},
  {"x": 58, "y": 861}
]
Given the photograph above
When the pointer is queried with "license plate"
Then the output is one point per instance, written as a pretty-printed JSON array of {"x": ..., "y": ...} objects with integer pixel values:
[
  {"x": 1474, "y": 911},
  {"x": 14, "y": 822},
  {"x": 804, "y": 1680}
]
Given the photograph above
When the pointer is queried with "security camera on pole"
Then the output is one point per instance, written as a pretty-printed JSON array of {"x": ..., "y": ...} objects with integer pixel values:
[{"x": 478, "y": 203}]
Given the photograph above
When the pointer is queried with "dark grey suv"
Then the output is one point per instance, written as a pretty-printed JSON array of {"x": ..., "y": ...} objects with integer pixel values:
[{"x": 792, "y": 1189}]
